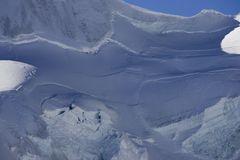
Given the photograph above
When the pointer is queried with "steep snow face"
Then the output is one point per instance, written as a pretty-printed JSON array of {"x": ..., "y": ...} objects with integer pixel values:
[
  {"x": 167, "y": 23},
  {"x": 231, "y": 42},
  {"x": 212, "y": 134},
  {"x": 79, "y": 23},
  {"x": 14, "y": 74},
  {"x": 76, "y": 134}
]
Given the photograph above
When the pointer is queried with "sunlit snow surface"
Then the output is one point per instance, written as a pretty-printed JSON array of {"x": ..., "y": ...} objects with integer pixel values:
[
  {"x": 231, "y": 42},
  {"x": 13, "y": 74}
]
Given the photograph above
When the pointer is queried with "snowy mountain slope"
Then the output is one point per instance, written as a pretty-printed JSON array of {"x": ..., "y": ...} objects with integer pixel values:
[
  {"x": 150, "y": 70},
  {"x": 213, "y": 133},
  {"x": 73, "y": 25},
  {"x": 84, "y": 131},
  {"x": 145, "y": 41}
]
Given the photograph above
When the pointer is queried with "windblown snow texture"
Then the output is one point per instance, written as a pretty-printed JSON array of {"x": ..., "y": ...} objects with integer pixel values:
[{"x": 106, "y": 80}]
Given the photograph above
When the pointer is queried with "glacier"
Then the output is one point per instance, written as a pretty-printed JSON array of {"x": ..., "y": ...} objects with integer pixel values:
[{"x": 107, "y": 80}]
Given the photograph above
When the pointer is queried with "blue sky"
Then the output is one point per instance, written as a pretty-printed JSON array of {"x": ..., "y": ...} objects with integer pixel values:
[{"x": 189, "y": 7}]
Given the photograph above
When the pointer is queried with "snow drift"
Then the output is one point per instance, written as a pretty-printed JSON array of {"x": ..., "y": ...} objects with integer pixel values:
[
  {"x": 231, "y": 42},
  {"x": 14, "y": 74}
]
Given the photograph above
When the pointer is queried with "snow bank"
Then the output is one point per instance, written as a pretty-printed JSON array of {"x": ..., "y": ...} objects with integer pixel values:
[
  {"x": 231, "y": 42},
  {"x": 14, "y": 74}
]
